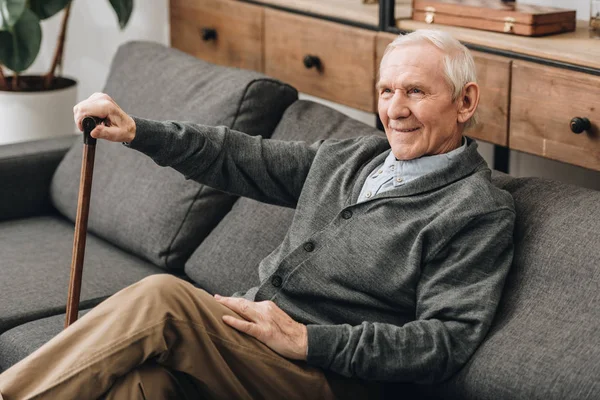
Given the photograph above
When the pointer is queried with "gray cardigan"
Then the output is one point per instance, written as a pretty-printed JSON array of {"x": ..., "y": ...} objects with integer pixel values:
[{"x": 402, "y": 287}]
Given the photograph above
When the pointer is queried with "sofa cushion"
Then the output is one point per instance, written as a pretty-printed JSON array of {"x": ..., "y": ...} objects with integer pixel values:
[
  {"x": 544, "y": 342},
  {"x": 227, "y": 260},
  {"x": 151, "y": 211},
  {"x": 21, "y": 341},
  {"x": 36, "y": 264}
]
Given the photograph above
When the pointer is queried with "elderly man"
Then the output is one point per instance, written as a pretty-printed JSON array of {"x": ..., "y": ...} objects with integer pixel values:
[{"x": 392, "y": 269}]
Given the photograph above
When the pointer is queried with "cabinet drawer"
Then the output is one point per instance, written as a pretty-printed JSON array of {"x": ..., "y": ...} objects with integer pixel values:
[
  {"x": 493, "y": 77},
  {"x": 345, "y": 54},
  {"x": 238, "y": 29},
  {"x": 543, "y": 102}
]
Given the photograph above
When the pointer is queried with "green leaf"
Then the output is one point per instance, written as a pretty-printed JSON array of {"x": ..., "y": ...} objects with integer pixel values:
[
  {"x": 19, "y": 48},
  {"x": 47, "y": 8},
  {"x": 10, "y": 12},
  {"x": 123, "y": 8}
]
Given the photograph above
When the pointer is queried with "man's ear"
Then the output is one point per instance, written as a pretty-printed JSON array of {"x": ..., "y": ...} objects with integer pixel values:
[{"x": 468, "y": 102}]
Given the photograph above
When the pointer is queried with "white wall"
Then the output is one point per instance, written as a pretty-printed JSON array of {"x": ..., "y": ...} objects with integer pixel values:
[
  {"x": 582, "y": 6},
  {"x": 94, "y": 36}
]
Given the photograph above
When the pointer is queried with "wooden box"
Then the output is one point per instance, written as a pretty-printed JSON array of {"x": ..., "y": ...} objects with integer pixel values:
[{"x": 495, "y": 15}]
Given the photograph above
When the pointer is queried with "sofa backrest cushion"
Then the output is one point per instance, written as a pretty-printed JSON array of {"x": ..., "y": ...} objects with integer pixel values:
[
  {"x": 545, "y": 341},
  {"x": 151, "y": 211},
  {"x": 227, "y": 260}
]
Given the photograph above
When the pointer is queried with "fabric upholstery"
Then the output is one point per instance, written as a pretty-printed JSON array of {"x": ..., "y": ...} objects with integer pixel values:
[
  {"x": 26, "y": 171},
  {"x": 155, "y": 212},
  {"x": 23, "y": 340},
  {"x": 35, "y": 269},
  {"x": 545, "y": 341},
  {"x": 227, "y": 260}
]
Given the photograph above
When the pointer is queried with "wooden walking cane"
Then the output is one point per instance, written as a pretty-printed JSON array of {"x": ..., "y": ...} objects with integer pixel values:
[{"x": 83, "y": 208}]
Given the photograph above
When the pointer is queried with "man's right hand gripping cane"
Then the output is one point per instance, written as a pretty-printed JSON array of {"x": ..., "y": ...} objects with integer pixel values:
[{"x": 116, "y": 125}]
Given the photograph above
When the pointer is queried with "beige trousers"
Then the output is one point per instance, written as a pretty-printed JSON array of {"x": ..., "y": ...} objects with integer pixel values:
[
  {"x": 135, "y": 344},
  {"x": 151, "y": 381}
]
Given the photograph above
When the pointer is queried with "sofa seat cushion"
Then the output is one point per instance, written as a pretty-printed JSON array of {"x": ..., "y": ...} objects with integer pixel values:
[
  {"x": 35, "y": 269},
  {"x": 20, "y": 341},
  {"x": 227, "y": 260},
  {"x": 545, "y": 340},
  {"x": 151, "y": 211}
]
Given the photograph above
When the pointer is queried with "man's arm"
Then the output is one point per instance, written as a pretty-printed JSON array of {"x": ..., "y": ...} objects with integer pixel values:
[
  {"x": 457, "y": 298},
  {"x": 271, "y": 171},
  {"x": 266, "y": 170}
]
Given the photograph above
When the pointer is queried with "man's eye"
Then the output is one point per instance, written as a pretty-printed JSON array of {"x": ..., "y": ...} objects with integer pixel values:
[
  {"x": 386, "y": 91},
  {"x": 415, "y": 90}
]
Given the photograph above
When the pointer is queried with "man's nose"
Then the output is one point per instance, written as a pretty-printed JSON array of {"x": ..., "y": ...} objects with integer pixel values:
[{"x": 398, "y": 107}]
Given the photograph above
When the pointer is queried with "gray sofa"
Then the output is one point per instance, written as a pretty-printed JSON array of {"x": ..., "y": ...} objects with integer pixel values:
[{"x": 144, "y": 219}]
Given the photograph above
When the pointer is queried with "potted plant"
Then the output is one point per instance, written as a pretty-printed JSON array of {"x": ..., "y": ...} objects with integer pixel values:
[{"x": 37, "y": 106}]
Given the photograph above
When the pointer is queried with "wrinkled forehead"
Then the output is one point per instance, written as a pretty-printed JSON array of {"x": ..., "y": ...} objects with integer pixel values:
[{"x": 422, "y": 61}]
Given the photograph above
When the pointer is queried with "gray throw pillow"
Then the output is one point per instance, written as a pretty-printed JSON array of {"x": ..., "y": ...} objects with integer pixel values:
[
  {"x": 227, "y": 260},
  {"x": 154, "y": 212}
]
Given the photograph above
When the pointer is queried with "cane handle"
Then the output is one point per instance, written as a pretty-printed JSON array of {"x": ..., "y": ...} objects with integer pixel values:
[{"x": 89, "y": 123}]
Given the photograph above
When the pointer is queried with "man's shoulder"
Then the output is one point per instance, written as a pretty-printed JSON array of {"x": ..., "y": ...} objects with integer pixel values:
[
  {"x": 361, "y": 140},
  {"x": 372, "y": 144},
  {"x": 479, "y": 194}
]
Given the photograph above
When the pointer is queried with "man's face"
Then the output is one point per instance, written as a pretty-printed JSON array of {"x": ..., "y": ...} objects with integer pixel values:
[{"x": 415, "y": 102}]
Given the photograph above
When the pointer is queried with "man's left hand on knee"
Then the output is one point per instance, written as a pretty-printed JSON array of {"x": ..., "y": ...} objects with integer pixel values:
[{"x": 268, "y": 323}]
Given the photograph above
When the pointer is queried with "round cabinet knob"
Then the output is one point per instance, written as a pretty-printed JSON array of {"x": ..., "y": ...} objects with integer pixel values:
[
  {"x": 312, "y": 61},
  {"x": 208, "y": 34},
  {"x": 579, "y": 125}
]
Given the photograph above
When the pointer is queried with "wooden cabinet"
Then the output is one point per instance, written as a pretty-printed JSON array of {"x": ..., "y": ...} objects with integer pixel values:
[
  {"x": 544, "y": 100},
  {"x": 493, "y": 77},
  {"x": 224, "y": 32},
  {"x": 323, "y": 58}
]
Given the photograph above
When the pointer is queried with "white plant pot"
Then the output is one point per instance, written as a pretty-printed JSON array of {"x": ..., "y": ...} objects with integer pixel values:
[{"x": 27, "y": 116}]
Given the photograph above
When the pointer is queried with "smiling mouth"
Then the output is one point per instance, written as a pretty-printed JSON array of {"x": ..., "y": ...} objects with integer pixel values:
[{"x": 406, "y": 130}]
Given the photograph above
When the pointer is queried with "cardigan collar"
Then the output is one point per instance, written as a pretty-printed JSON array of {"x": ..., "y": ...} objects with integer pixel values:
[{"x": 463, "y": 164}]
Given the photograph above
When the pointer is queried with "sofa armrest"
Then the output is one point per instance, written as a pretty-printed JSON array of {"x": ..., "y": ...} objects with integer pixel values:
[{"x": 26, "y": 170}]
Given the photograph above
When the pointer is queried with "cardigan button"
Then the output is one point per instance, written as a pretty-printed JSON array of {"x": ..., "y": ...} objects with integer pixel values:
[
  {"x": 346, "y": 214},
  {"x": 309, "y": 246},
  {"x": 276, "y": 281}
]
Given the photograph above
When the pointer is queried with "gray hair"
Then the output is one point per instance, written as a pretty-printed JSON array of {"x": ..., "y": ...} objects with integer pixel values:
[{"x": 459, "y": 66}]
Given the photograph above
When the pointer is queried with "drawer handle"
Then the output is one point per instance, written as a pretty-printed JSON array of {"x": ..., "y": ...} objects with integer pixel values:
[
  {"x": 312, "y": 61},
  {"x": 579, "y": 125},
  {"x": 208, "y": 34}
]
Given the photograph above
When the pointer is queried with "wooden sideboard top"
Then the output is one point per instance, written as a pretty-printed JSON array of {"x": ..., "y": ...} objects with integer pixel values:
[
  {"x": 351, "y": 10},
  {"x": 573, "y": 47}
]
